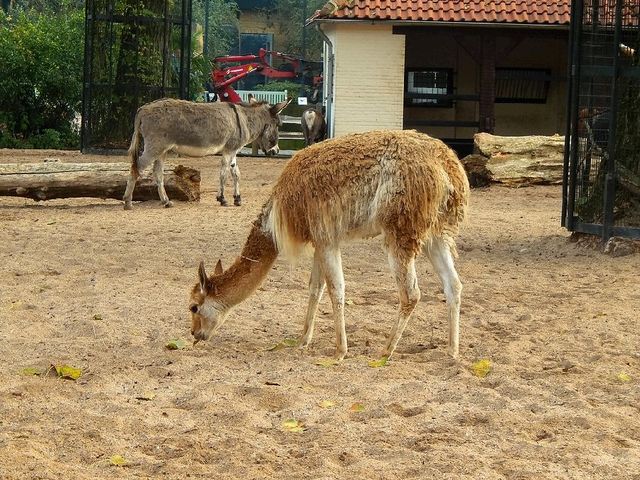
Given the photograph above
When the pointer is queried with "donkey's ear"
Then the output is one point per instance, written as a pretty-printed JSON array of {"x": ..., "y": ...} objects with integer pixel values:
[
  {"x": 278, "y": 107},
  {"x": 218, "y": 269},
  {"x": 252, "y": 99},
  {"x": 204, "y": 281}
]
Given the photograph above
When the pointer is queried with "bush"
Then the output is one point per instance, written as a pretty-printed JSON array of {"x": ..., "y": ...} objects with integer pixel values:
[{"x": 41, "y": 58}]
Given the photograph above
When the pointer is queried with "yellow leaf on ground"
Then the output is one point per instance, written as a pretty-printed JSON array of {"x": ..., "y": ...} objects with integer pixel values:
[
  {"x": 326, "y": 362},
  {"x": 176, "y": 344},
  {"x": 326, "y": 404},
  {"x": 357, "y": 407},
  {"x": 349, "y": 302},
  {"x": 67, "y": 371},
  {"x": 30, "y": 371},
  {"x": 481, "y": 368},
  {"x": 118, "y": 461},
  {"x": 286, "y": 343},
  {"x": 382, "y": 362},
  {"x": 623, "y": 377},
  {"x": 292, "y": 425}
]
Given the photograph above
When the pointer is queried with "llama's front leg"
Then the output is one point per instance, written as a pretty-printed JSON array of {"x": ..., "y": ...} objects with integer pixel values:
[
  {"x": 224, "y": 166},
  {"x": 316, "y": 288},
  {"x": 404, "y": 271},
  {"x": 158, "y": 176},
  {"x": 441, "y": 258},
  {"x": 331, "y": 262},
  {"x": 235, "y": 173}
]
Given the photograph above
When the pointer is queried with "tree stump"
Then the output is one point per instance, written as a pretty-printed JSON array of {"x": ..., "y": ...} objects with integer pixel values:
[{"x": 44, "y": 181}]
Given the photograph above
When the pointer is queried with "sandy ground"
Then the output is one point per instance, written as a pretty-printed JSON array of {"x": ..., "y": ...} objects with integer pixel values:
[{"x": 87, "y": 284}]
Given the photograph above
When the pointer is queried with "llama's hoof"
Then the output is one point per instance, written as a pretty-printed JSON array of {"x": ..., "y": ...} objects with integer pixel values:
[
  {"x": 169, "y": 204},
  {"x": 339, "y": 356},
  {"x": 222, "y": 200},
  {"x": 237, "y": 201},
  {"x": 128, "y": 206}
]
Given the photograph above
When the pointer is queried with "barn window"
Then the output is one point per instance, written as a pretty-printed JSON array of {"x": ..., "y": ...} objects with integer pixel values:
[
  {"x": 522, "y": 85},
  {"x": 429, "y": 87}
]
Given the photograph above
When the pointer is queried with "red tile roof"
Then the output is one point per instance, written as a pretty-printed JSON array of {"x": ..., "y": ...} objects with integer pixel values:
[{"x": 545, "y": 12}]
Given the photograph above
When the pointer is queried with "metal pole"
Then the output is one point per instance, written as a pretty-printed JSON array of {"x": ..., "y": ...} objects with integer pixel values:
[
  {"x": 304, "y": 29},
  {"x": 610, "y": 177},
  {"x": 205, "y": 47},
  {"x": 577, "y": 18},
  {"x": 568, "y": 130}
]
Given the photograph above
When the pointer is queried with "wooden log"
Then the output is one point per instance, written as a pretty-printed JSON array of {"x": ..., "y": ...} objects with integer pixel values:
[{"x": 44, "y": 181}]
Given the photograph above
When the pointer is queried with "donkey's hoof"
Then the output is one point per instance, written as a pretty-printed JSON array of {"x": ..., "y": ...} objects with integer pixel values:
[
  {"x": 237, "y": 201},
  {"x": 222, "y": 200},
  {"x": 128, "y": 206},
  {"x": 169, "y": 204}
]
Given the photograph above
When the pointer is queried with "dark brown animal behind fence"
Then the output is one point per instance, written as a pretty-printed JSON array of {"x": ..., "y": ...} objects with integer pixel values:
[
  {"x": 314, "y": 126},
  {"x": 196, "y": 130}
]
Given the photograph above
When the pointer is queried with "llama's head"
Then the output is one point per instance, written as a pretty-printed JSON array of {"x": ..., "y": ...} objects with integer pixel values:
[{"x": 208, "y": 311}]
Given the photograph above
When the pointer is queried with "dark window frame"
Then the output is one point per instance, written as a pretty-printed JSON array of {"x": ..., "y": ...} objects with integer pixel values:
[
  {"x": 431, "y": 102},
  {"x": 523, "y": 79}
]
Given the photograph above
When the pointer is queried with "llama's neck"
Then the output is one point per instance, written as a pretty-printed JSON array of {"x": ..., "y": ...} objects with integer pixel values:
[{"x": 251, "y": 268}]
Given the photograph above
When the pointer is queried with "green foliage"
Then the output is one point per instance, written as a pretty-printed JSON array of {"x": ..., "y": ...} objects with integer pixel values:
[
  {"x": 294, "y": 38},
  {"x": 223, "y": 26},
  {"x": 292, "y": 88},
  {"x": 41, "y": 83}
]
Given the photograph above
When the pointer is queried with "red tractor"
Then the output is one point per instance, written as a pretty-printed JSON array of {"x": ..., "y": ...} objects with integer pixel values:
[{"x": 223, "y": 76}]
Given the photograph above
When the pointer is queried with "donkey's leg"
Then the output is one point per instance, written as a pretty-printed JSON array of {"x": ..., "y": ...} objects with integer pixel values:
[
  {"x": 316, "y": 288},
  {"x": 158, "y": 175},
  {"x": 128, "y": 193},
  {"x": 404, "y": 271},
  {"x": 235, "y": 173},
  {"x": 143, "y": 162},
  {"x": 331, "y": 263},
  {"x": 441, "y": 258},
  {"x": 224, "y": 167}
]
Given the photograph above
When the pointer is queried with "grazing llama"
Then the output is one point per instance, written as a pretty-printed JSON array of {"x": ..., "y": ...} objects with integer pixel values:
[{"x": 404, "y": 185}]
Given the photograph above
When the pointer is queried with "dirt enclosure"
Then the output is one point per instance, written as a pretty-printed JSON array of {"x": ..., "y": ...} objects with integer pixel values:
[{"x": 87, "y": 284}]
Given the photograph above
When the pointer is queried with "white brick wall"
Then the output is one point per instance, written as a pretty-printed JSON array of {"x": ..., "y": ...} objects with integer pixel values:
[{"x": 369, "y": 77}]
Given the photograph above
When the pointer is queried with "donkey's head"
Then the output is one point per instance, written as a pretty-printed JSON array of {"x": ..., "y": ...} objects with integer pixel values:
[
  {"x": 208, "y": 310},
  {"x": 268, "y": 138}
]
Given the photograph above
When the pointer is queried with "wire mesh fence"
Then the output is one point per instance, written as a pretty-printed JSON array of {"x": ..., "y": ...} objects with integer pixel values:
[
  {"x": 602, "y": 159},
  {"x": 136, "y": 51}
]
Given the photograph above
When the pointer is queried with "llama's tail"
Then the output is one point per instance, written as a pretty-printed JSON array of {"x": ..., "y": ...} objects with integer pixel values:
[
  {"x": 283, "y": 232},
  {"x": 134, "y": 148}
]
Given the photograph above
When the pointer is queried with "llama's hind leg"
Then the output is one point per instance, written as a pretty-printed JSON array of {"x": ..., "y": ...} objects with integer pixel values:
[
  {"x": 158, "y": 175},
  {"x": 439, "y": 252},
  {"x": 316, "y": 288},
  {"x": 331, "y": 263},
  {"x": 404, "y": 271}
]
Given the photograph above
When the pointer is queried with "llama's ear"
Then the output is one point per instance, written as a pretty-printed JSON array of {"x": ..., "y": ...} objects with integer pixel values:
[
  {"x": 278, "y": 107},
  {"x": 252, "y": 99},
  {"x": 218, "y": 269},
  {"x": 204, "y": 281}
]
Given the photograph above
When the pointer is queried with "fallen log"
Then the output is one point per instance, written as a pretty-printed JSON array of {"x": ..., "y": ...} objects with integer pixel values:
[
  {"x": 44, "y": 181},
  {"x": 515, "y": 161}
]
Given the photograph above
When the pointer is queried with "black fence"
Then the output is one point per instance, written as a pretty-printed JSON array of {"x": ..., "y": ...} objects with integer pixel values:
[
  {"x": 602, "y": 151},
  {"x": 136, "y": 51}
]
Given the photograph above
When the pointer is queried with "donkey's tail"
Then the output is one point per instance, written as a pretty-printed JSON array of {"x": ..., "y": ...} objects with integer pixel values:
[{"x": 134, "y": 147}]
